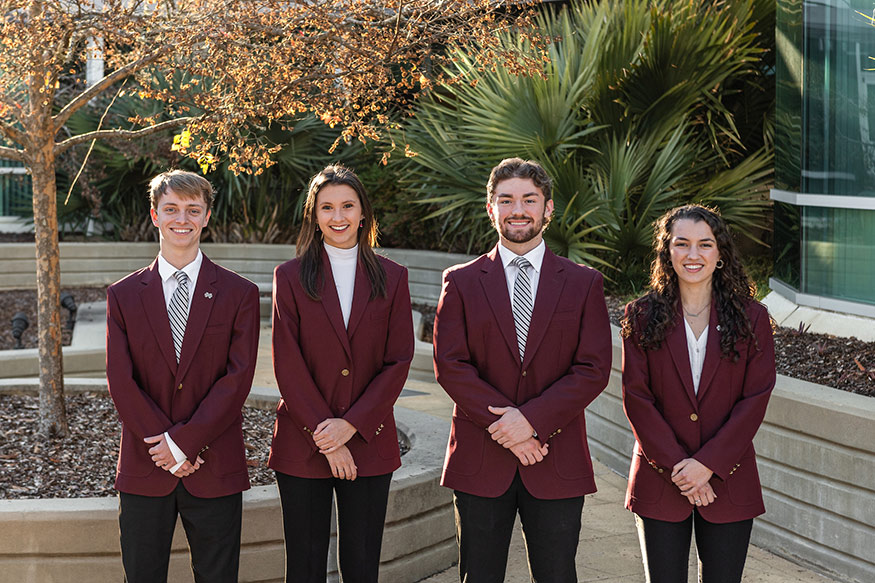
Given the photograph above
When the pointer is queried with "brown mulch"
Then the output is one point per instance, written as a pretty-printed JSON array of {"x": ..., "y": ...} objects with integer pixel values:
[
  {"x": 83, "y": 465},
  {"x": 12, "y": 302}
]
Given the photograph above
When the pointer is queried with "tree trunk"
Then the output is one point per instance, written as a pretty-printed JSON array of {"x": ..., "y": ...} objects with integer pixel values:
[{"x": 52, "y": 410}]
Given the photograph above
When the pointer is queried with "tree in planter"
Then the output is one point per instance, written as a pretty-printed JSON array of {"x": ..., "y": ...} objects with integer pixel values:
[
  {"x": 641, "y": 105},
  {"x": 229, "y": 62}
]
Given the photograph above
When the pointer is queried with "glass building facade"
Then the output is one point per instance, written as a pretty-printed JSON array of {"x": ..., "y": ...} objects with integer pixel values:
[{"x": 825, "y": 154}]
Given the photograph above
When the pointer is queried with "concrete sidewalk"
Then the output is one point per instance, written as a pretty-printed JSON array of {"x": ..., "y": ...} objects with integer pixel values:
[{"x": 608, "y": 551}]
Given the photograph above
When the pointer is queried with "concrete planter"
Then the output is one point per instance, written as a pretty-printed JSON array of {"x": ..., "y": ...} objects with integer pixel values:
[
  {"x": 74, "y": 540},
  {"x": 816, "y": 464}
]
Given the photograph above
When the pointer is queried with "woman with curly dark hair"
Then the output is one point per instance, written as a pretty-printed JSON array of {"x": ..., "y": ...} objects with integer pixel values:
[{"x": 698, "y": 370}]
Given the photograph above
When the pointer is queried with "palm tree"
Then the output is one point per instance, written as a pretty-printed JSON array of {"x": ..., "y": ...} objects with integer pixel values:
[{"x": 641, "y": 105}]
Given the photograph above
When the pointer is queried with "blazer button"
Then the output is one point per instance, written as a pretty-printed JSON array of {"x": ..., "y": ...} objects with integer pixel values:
[
  {"x": 524, "y": 373},
  {"x": 694, "y": 417},
  {"x": 345, "y": 372},
  {"x": 180, "y": 386},
  {"x": 661, "y": 470}
]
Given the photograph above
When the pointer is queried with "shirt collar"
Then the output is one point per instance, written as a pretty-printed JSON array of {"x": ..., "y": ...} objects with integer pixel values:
[
  {"x": 535, "y": 256},
  {"x": 166, "y": 271}
]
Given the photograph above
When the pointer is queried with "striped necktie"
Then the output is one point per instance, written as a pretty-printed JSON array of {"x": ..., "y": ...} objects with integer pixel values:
[
  {"x": 522, "y": 303},
  {"x": 178, "y": 311}
]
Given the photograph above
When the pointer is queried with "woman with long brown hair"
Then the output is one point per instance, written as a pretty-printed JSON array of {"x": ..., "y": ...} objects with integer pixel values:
[
  {"x": 698, "y": 370},
  {"x": 342, "y": 346}
]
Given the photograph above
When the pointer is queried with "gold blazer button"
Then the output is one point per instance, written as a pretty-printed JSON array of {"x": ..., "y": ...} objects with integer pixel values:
[
  {"x": 345, "y": 372},
  {"x": 180, "y": 386},
  {"x": 694, "y": 417}
]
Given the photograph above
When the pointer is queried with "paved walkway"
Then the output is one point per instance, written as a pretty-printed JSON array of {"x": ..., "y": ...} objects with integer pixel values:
[{"x": 608, "y": 551}]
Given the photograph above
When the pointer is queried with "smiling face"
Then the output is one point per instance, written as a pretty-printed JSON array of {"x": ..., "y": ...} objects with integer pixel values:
[
  {"x": 693, "y": 251},
  {"x": 519, "y": 213},
  {"x": 180, "y": 221},
  {"x": 338, "y": 214}
]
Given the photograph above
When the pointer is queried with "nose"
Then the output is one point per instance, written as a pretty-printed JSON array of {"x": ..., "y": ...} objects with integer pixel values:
[{"x": 694, "y": 251}]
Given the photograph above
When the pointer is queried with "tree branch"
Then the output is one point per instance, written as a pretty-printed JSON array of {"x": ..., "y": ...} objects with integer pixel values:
[
  {"x": 123, "y": 134},
  {"x": 86, "y": 96},
  {"x": 12, "y": 154},
  {"x": 12, "y": 133}
]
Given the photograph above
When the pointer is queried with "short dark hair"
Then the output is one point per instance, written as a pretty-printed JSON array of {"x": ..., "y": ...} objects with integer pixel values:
[
  {"x": 185, "y": 184},
  {"x": 519, "y": 168}
]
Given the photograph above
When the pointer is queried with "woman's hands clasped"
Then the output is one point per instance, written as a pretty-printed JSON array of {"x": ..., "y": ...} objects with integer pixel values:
[
  {"x": 330, "y": 437},
  {"x": 692, "y": 478}
]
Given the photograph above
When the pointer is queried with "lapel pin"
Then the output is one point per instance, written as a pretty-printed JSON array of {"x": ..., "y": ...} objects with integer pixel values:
[{"x": 208, "y": 295}]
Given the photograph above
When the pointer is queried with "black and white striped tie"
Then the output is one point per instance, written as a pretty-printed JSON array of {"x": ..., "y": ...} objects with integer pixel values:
[
  {"x": 522, "y": 303},
  {"x": 178, "y": 311}
]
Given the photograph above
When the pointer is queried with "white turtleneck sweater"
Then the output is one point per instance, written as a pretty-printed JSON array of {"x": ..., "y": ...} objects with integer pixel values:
[{"x": 343, "y": 266}]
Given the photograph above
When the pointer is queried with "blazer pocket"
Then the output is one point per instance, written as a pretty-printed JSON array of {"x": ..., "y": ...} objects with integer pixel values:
[
  {"x": 290, "y": 442},
  {"x": 647, "y": 485},
  {"x": 465, "y": 448},
  {"x": 743, "y": 486},
  {"x": 570, "y": 455}
]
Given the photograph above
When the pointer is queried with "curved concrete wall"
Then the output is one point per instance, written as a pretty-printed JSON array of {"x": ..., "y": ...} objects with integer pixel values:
[
  {"x": 816, "y": 461},
  {"x": 74, "y": 540}
]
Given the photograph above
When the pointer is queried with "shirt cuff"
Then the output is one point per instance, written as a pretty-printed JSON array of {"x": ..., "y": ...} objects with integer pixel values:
[{"x": 177, "y": 453}]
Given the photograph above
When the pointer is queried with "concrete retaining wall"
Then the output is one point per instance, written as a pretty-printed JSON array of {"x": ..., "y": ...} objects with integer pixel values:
[
  {"x": 84, "y": 264},
  {"x": 74, "y": 540},
  {"x": 816, "y": 461}
]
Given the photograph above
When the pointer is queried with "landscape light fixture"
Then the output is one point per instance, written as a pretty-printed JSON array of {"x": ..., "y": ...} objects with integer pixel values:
[
  {"x": 19, "y": 325},
  {"x": 69, "y": 304}
]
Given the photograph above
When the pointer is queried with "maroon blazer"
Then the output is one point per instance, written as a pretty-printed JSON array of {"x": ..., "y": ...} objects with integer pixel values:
[
  {"x": 197, "y": 402},
  {"x": 716, "y": 426},
  {"x": 566, "y": 366},
  {"x": 326, "y": 370}
]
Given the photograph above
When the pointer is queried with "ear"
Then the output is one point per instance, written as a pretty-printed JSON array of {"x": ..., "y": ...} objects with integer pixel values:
[
  {"x": 154, "y": 214},
  {"x": 490, "y": 210},
  {"x": 548, "y": 208},
  {"x": 207, "y": 218}
]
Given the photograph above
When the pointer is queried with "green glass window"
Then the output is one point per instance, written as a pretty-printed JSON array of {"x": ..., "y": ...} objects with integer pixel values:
[
  {"x": 838, "y": 251},
  {"x": 838, "y": 106}
]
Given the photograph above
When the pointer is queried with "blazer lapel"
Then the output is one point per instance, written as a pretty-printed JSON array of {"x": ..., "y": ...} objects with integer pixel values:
[
  {"x": 677, "y": 346},
  {"x": 494, "y": 284},
  {"x": 361, "y": 295},
  {"x": 152, "y": 297},
  {"x": 331, "y": 304},
  {"x": 712, "y": 353},
  {"x": 550, "y": 284},
  {"x": 198, "y": 314}
]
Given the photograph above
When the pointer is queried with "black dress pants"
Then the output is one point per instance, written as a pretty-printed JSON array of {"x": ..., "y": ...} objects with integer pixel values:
[
  {"x": 665, "y": 548},
  {"x": 361, "y": 514},
  {"x": 551, "y": 529},
  {"x": 212, "y": 527}
]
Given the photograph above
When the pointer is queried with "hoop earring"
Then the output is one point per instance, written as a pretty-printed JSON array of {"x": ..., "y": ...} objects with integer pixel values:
[{"x": 719, "y": 264}]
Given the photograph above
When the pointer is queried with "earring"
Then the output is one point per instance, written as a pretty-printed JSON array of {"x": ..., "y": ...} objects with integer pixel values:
[
  {"x": 361, "y": 223},
  {"x": 318, "y": 229},
  {"x": 719, "y": 264}
]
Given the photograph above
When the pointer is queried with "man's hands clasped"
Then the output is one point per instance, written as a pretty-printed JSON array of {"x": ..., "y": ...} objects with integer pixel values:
[{"x": 513, "y": 431}]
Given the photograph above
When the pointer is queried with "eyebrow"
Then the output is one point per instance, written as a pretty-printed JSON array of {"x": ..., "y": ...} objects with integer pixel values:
[
  {"x": 686, "y": 239},
  {"x": 508, "y": 195}
]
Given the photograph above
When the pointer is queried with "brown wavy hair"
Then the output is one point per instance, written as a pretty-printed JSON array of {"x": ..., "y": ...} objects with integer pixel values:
[
  {"x": 309, "y": 246},
  {"x": 654, "y": 315}
]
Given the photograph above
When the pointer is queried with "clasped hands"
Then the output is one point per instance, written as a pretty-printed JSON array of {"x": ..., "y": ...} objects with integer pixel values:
[
  {"x": 513, "y": 431},
  {"x": 163, "y": 457},
  {"x": 692, "y": 478},
  {"x": 330, "y": 437}
]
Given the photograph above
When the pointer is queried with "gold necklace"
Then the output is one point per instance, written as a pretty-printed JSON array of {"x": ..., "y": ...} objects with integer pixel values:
[{"x": 696, "y": 315}]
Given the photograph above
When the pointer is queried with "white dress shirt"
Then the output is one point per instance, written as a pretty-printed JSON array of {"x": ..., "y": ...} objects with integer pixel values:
[
  {"x": 343, "y": 266},
  {"x": 535, "y": 257},
  {"x": 696, "y": 349},
  {"x": 170, "y": 283}
]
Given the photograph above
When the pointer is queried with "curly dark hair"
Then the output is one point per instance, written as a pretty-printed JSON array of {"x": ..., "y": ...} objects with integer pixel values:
[{"x": 732, "y": 289}]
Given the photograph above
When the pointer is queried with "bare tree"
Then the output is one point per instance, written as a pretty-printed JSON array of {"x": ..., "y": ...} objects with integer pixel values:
[{"x": 217, "y": 67}]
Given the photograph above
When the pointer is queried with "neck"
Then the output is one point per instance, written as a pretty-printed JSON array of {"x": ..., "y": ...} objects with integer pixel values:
[
  {"x": 522, "y": 248},
  {"x": 695, "y": 297},
  {"x": 178, "y": 258}
]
